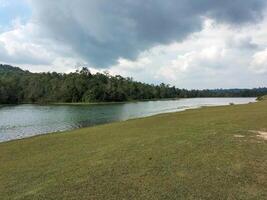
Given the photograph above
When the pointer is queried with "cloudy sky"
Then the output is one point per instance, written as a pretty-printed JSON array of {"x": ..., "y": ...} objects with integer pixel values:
[{"x": 186, "y": 43}]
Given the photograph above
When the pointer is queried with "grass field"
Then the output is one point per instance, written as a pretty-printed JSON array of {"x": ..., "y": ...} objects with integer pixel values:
[{"x": 208, "y": 153}]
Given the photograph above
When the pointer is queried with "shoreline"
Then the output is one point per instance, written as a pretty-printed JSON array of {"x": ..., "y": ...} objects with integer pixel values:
[
  {"x": 119, "y": 102},
  {"x": 121, "y": 121},
  {"x": 101, "y": 103}
]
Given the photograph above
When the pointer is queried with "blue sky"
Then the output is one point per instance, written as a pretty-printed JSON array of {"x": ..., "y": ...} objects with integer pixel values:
[{"x": 11, "y": 10}]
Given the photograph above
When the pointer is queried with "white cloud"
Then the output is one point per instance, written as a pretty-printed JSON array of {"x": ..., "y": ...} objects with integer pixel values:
[
  {"x": 26, "y": 46},
  {"x": 19, "y": 46},
  {"x": 219, "y": 56},
  {"x": 259, "y": 62}
]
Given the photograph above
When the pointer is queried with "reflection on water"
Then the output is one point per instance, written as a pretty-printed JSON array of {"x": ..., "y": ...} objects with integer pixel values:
[{"x": 29, "y": 120}]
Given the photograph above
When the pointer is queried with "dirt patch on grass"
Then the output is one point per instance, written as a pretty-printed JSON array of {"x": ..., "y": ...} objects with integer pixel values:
[{"x": 261, "y": 134}]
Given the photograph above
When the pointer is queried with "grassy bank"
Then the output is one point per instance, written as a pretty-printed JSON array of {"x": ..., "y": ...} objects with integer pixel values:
[
  {"x": 262, "y": 98},
  {"x": 208, "y": 153}
]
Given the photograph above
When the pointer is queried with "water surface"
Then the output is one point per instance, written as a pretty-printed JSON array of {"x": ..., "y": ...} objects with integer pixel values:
[{"x": 28, "y": 120}]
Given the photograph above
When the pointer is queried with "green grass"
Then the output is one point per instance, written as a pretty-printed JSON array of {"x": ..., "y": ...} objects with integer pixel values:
[{"x": 194, "y": 154}]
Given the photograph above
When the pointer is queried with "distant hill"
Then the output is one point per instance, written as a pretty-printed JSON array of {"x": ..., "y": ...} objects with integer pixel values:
[
  {"x": 9, "y": 68},
  {"x": 19, "y": 86}
]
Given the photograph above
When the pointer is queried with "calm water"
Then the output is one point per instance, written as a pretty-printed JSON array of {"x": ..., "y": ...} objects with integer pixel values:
[{"x": 29, "y": 120}]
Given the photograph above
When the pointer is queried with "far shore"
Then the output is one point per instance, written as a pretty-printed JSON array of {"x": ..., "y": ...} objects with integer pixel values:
[{"x": 112, "y": 102}]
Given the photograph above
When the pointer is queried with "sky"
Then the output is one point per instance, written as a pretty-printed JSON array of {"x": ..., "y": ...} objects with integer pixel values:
[{"x": 185, "y": 43}]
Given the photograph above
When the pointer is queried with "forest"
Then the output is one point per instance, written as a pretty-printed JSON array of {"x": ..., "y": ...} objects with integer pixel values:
[{"x": 19, "y": 86}]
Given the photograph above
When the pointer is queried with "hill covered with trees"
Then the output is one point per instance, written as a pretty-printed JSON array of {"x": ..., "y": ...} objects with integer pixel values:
[{"x": 19, "y": 86}]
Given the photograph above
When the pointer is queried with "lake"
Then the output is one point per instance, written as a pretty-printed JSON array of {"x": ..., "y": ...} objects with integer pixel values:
[{"x": 23, "y": 121}]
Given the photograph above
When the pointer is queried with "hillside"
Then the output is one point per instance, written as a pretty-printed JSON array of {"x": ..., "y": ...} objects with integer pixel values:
[
  {"x": 18, "y": 86},
  {"x": 10, "y": 69}
]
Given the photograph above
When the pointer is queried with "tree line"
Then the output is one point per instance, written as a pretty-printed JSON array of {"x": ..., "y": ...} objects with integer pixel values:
[{"x": 19, "y": 86}]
